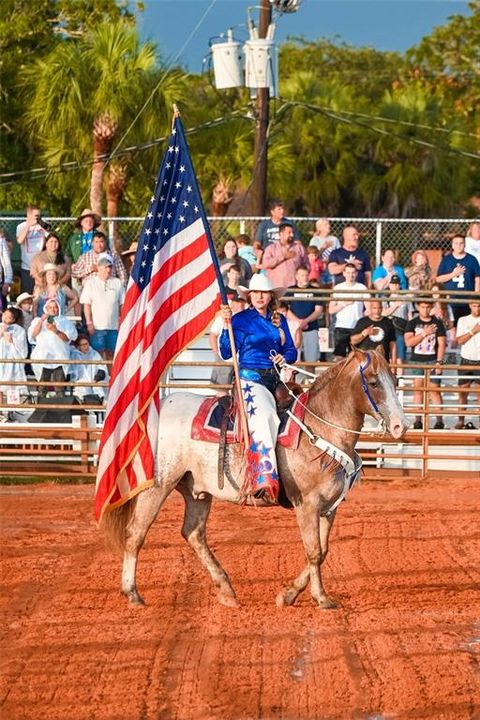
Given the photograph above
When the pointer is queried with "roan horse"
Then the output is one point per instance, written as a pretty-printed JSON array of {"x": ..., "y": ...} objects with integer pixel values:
[{"x": 337, "y": 404}]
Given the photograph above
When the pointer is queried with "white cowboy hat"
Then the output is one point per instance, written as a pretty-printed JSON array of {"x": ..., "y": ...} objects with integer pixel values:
[
  {"x": 260, "y": 283},
  {"x": 22, "y": 297},
  {"x": 50, "y": 266},
  {"x": 88, "y": 213}
]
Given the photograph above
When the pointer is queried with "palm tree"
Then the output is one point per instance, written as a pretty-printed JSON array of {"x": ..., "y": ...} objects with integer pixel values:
[{"x": 86, "y": 93}]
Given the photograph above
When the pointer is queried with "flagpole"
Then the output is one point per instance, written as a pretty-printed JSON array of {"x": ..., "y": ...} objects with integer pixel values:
[{"x": 236, "y": 372}]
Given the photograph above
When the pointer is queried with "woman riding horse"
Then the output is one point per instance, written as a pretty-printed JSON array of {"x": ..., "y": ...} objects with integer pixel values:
[{"x": 263, "y": 343}]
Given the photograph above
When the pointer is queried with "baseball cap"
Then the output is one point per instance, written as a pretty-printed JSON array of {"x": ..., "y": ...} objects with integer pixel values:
[{"x": 105, "y": 259}]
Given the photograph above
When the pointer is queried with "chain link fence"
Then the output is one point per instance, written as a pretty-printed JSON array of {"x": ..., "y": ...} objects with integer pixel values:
[{"x": 377, "y": 235}]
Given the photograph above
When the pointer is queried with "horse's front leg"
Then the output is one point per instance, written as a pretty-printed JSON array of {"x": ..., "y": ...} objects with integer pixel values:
[
  {"x": 308, "y": 519},
  {"x": 290, "y": 593}
]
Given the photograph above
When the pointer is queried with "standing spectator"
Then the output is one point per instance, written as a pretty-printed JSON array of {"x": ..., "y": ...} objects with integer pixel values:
[
  {"x": 129, "y": 256},
  {"x": 52, "y": 254},
  {"x": 102, "y": 299},
  {"x": 31, "y": 237},
  {"x": 468, "y": 337},
  {"x": 400, "y": 311},
  {"x": 444, "y": 312},
  {"x": 426, "y": 337},
  {"x": 326, "y": 243},
  {"x": 304, "y": 309},
  {"x": 419, "y": 273},
  {"x": 459, "y": 271},
  {"x": 347, "y": 310},
  {"x": 231, "y": 257},
  {"x": 383, "y": 274},
  {"x": 375, "y": 330},
  {"x": 316, "y": 265},
  {"x": 13, "y": 346},
  {"x": 51, "y": 289},
  {"x": 51, "y": 335},
  {"x": 81, "y": 241},
  {"x": 281, "y": 259},
  {"x": 472, "y": 241},
  {"x": 86, "y": 265},
  {"x": 258, "y": 250},
  {"x": 293, "y": 325},
  {"x": 6, "y": 272},
  {"x": 351, "y": 253},
  {"x": 87, "y": 371},
  {"x": 269, "y": 230}
]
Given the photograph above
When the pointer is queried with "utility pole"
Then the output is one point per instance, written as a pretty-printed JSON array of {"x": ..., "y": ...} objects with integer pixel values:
[{"x": 259, "y": 181}]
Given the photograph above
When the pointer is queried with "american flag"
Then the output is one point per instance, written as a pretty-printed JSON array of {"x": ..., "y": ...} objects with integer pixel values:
[{"x": 172, "y": 295}]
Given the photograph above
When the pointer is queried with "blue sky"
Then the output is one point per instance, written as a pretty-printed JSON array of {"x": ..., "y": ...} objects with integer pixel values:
[{"x": 383, "y": 24}]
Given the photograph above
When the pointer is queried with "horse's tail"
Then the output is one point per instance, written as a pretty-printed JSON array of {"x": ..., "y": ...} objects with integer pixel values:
[{"x": 114, "y": 525}]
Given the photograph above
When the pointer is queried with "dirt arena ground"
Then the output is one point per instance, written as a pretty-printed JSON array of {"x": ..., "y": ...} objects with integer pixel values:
[{"x": 404, "y": 563}]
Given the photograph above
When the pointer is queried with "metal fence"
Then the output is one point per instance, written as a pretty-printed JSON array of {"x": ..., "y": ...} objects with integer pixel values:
[{"x": 402, "y": 236}]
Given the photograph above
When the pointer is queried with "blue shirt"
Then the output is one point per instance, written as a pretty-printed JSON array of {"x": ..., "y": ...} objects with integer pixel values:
[
  {"x": 87, "y": 238},
  {"x": 465, "y": 281},
  {"x": 381, "y": 272},
  {"x": 268, "y": 231},
  {"x": 255, "y": 337},
  {"x": 341, "y": 256}
]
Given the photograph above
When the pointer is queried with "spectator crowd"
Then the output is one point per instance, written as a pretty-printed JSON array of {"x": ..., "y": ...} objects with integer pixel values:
[{"x": 71, "y": 296}]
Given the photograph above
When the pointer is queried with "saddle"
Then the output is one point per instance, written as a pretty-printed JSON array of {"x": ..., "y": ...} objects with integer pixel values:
[{"x": 217, "y": 421}]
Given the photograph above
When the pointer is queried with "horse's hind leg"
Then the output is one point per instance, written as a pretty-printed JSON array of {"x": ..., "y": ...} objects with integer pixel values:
[
  {"x": 290, "y": 593},
  {"x": 195, "y": 519},
  {"x": 148, "y": 503}
]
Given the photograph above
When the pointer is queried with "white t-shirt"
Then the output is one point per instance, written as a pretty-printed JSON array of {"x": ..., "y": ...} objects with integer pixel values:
[
  {"x": 348, "y": 316},
  {"x": 105, "y": 298},
  {"x": 473, "y": 247},
  {"x": 470, "y": 350},
  {"x": 32, "y": 244}
]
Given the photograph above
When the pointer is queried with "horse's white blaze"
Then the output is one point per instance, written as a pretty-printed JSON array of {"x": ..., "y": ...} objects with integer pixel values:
[{"x": 391, "y": 408}]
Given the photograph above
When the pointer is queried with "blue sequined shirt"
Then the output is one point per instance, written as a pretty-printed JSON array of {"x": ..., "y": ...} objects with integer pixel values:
[{"x": 255, "y": 337}]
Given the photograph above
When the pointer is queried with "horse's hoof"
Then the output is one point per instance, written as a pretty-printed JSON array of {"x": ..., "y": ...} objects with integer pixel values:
[
  {"x": 327, "y": 603},
  {"x": 228, "y": 600},
  {"x": 286, "y": 598},
  {"x": 135, "y": 599}
]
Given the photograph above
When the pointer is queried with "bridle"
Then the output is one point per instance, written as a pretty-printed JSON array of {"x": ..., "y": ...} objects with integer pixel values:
[{"x": 362, "y": 368}]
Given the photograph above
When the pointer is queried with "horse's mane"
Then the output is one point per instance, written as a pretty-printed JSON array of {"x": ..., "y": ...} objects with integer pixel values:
[{"x": 329, "y": 376}]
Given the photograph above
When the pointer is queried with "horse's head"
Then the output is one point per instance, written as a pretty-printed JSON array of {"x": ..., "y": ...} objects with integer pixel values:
[{"x": 376, "y": 390}]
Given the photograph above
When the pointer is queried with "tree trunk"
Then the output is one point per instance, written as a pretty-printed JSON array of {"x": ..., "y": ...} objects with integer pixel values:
[
  {"x": 222, "y": 196},
  {"x": 104, "y": 131},
  {"x": 116, "y": 183}
]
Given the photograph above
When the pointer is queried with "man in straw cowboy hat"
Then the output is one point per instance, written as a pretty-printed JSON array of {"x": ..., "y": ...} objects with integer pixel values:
[
  {"x": 263, "y": 343},
  {"x": 80, "y": 241}
]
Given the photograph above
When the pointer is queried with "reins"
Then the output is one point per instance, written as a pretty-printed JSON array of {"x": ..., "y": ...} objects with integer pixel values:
[{"x": 380, "y": 429}]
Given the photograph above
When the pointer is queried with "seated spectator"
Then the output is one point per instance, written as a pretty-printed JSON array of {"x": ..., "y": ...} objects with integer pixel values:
[
  {"x": 25, "y": 303},
  {"x": 245, "y": 250},
  {"x": 316, "y": 265},
  {"x": 51, "y": 335},
  {"x": 258, "y": 250},
  {"x": 419, "y": 273},
  {"x": 85, "y": 371},
  {"x": 459, "y": 271},
  {"x": 400, "y": 311},
  {"x": 374, "y": 331},
  {"x": 6, "y": 272},
  {"x": 86, "y": 265},
  {"x": 81, "y": 240},
  {"x": 233, "y": 279},
  {"x": 425, "y": 336},
  {"x": 294, "y": 325},
  {"x": 468, "y": 337},
  {"x": 269, "y": 230},
  {"x": 325, "y": 242},
  {"x": 350, "y": 253},
  {"x": 230, "y": 257},
  {"x": 102, "y": 299},
  {"x": 383, "y": 274},
  {"x": 223, "y": 375},
  {"x": 51, "y": 289},
  {"x": 472, "y": 241},
  {"x": 347, "y": 304},
  {"x": 52, "y": 254},
  {"x": 13, "y": 346}
]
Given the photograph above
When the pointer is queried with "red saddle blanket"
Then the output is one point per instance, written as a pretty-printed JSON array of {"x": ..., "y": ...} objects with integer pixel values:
[{"x": 208, "y": 421}]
